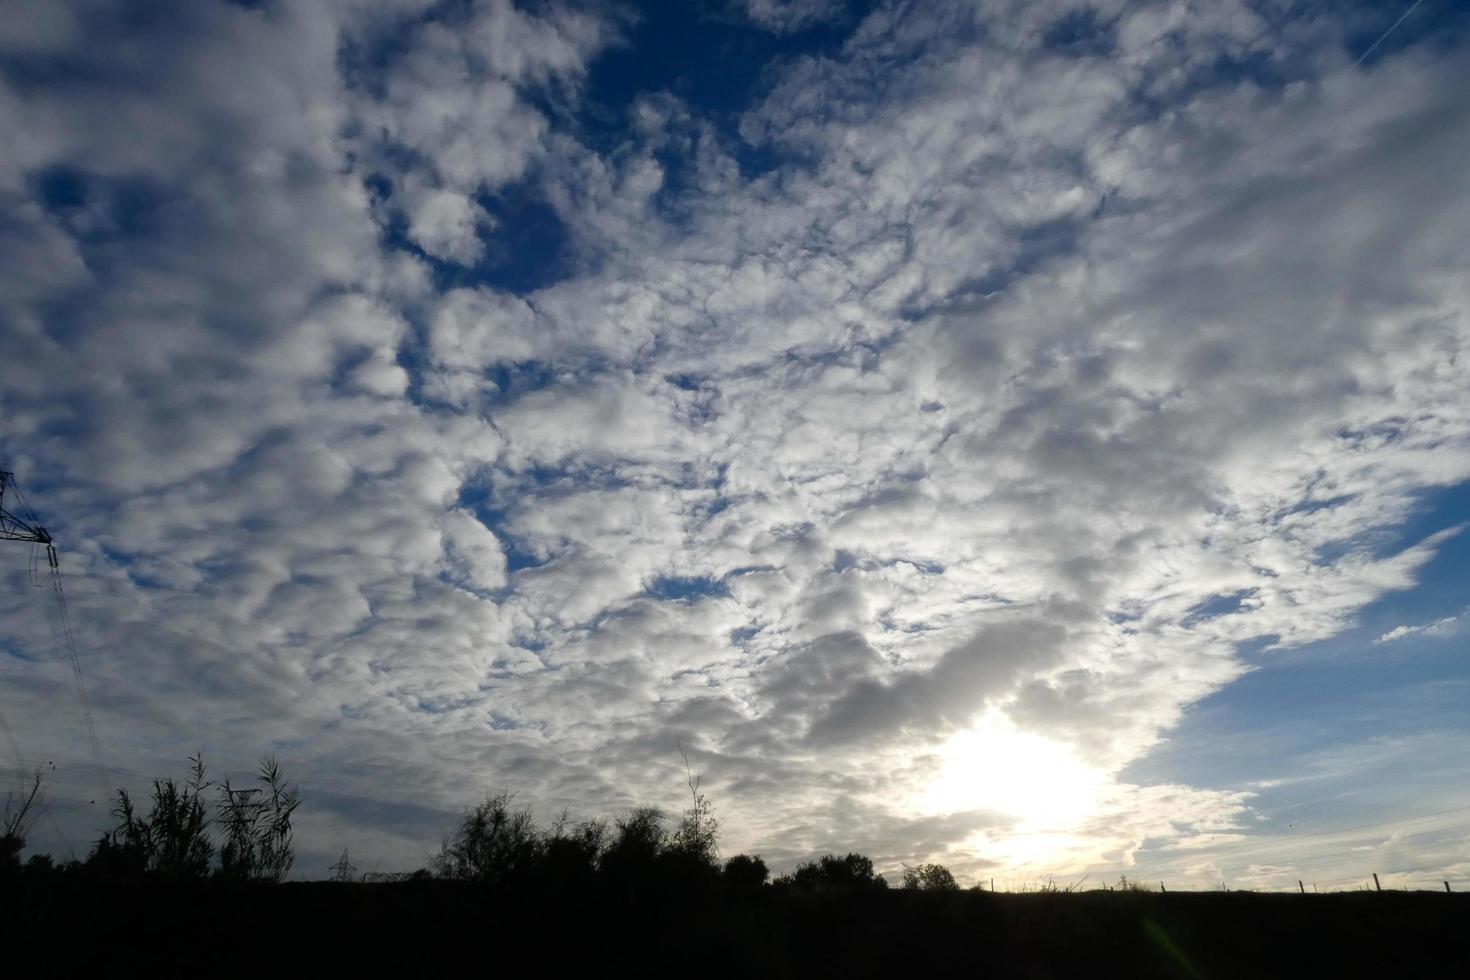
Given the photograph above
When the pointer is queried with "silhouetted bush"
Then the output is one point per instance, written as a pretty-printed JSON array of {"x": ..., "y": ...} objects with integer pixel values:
[
  {"x": 696, "y": 840},
  {"x": 572, "y": 850},
  {"x": 22, "y": 805},
  {"x": 624, "y": 900},
  {"x": 40, "y": 864},
  {"x": 113, "y": 856},
  {"x": 257, "y": 824},
  {"x": 493, "y": 845},
  {"x": 638, "y": 839},
  {"x": 498, "y": 844},
  {"x": 850, "y": 873},
  {"x": 930, "y": 878},
  {"x": 745, "y": 873},
  {"x": 173, "y": 840}
]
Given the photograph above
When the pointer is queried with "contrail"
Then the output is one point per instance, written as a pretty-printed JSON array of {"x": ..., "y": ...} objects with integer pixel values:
[{"x": 1374, "y": 46}]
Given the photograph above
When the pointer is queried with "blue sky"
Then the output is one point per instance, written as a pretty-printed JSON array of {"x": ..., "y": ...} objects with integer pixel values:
[
  {"x": 1027, "y": 436},
  {"x": 1362, "y": 731}
]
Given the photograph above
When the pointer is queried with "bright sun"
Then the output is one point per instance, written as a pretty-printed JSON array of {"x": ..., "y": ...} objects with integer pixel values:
[{"x": 996, "y": 766}]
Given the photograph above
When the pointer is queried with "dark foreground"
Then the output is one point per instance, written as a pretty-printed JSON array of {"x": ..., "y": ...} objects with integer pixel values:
[{"x": 62, "y": 927}]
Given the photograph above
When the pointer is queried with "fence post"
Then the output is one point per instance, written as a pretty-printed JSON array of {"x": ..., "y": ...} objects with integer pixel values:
[
  {"x": 1447, "y": 888},
  {"x": 1301, "y": 886},
  {"x": 1161, "y": 887},
  {"x": 1376, "y": 885}
]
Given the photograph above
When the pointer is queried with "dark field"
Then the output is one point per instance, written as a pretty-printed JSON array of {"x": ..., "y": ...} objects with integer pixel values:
[{"x": 66, "y": 926}]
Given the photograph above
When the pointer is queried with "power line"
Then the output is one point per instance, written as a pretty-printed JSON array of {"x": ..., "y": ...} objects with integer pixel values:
[
  {"x": 76, "y": 668},
  {"x": 138, "y": 612},
  {"x": 31, "y": 762},
  {"x": 9, "y": 736},
  {"x": 26, "y": 527},
  {"x": 14, "y": 528}
]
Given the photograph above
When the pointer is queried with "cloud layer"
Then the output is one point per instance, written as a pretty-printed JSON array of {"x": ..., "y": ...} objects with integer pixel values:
[{"x": 1061, "y": 350}]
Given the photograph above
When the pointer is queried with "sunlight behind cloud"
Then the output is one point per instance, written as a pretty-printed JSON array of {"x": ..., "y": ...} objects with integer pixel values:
[
  {"x": 496, "y": 394},
  {"x": 996, "y": 766}
]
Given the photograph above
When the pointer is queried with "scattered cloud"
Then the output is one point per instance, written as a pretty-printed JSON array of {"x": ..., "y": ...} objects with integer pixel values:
[
  {"x": 1028, "y": 380},
  {"x": 1440, "y": 627},
  {"x": 784, "y": 16}
]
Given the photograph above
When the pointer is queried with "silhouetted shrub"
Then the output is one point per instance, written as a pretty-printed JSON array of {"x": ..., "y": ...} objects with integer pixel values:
[
  {"x": 695, "y": 841},
  {"x": 850, "y": 873},
  {"x": 930, "y": 878},
  {"x": 572, "y": 850},
  {"x": 172, "y": 841},
  {"x": 494, "y": 844},
  {"x": 22, "y": 805},
  {"x": 637, "y": 841},
  {"x": 40, "y": 864},
  {"x": 745, "y": 873},
  {"x": 117, "y": 856},
  {"x": 257, "y": 823}
]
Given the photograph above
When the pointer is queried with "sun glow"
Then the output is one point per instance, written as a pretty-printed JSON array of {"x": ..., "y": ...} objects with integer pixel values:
[{"x": 996, "y": 766}]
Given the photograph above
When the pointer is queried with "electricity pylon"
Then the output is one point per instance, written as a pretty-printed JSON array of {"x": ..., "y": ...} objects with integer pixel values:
[{"x": 342, "y": 868}]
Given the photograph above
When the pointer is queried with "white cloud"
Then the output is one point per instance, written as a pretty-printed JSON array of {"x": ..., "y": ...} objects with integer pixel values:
[
  {"x": 446, "y": 225},
  {"x": 1440, "y": 627},
  {"x": 784, "y": 16},
  {"x": 473, "y": 552}
]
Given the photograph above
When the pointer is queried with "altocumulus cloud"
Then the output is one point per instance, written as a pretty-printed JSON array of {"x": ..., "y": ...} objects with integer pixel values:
[{"x": 1055, "y": 351}]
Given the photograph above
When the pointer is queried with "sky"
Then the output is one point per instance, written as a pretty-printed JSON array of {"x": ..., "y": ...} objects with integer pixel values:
[{"x": 1029, "y": 436}]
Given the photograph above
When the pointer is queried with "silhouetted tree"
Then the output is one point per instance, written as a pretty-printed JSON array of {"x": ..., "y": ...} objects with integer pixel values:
[
  {"x": 40, "y": 864},
  {"x": 572, "y": 850},
  {"x": 852, "y": 872},
  {"x": 637, "y": 841},
  {"x": 930, "y": 878},
  {"x": 22, "y": 805},
  {"x": 696, "y": 839},
  {"x": 745, "y": 873},
  {"x": 494, "y": 844},
  {"x": 118, "y": 854}
]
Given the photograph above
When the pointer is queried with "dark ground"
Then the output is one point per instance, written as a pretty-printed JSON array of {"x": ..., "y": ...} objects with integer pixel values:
[{"x": 67, "y": 926}]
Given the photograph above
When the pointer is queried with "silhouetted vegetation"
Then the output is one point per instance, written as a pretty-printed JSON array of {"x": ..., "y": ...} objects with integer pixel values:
[
  {"x": 174, "y": 840},
  {"x": 499, "y": 844},
  {"x": 696, "y": 840},
  {"x": 644, "y": 894},
  {"x": 257, "y": 826},
  {"x": 23, "y": 803},
  {"x": 849, "y": 873},
  {"x": 495, "y": 845},
  {"x": 745, "y": 873},
  {"x": 930, "y": 878}
]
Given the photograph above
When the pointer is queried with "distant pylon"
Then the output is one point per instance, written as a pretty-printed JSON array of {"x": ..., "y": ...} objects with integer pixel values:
[{"x": 343, "y": 869}]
